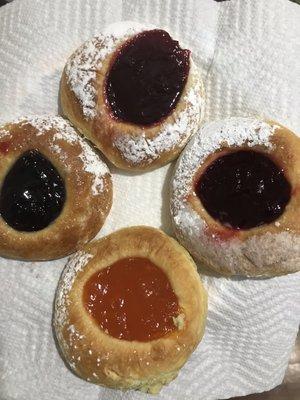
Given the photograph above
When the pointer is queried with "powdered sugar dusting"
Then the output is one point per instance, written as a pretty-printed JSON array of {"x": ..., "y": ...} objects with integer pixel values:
[
  {"x": 121, "y": 29},
  {"x": 81, "y": 75},
  {"x": 236, "y": 131},
  {"x": 46, "y": 123},
  {"x": 91, "y": 161},
  {"x": 75, "y": 264},
  {"x": 93, "y": 166},
  {"x": 82, "y": 66},
  {"x": 252, "y": 255},
  {"x": 139, "y": 149},
  {"x": 4, "y": 132},
  {"x": 43, "y": 123}
]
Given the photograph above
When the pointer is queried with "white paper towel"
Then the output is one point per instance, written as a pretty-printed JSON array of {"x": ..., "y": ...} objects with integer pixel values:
[{"x": 247, "y": 51}]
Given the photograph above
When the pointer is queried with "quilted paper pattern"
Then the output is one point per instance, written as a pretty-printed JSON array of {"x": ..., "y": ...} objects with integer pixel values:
[{"x": 249, "y": 67}]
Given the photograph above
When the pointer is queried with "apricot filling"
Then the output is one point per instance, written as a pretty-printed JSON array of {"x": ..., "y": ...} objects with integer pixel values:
[{"x": 132, "y": 299}]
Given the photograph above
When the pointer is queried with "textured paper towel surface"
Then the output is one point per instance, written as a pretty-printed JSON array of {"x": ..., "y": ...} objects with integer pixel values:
[{"x": 248, "y": 54}]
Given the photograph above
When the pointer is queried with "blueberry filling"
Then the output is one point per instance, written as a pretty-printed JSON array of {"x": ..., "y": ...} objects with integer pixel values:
[{"x": 32, "y": 194}]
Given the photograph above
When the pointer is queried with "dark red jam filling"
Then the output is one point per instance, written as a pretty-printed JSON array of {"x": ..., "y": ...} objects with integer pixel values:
[
  {"x": 147, "y": 78},
  {"x": 244, "y": 189},
  {"x": 32, "y": 194}
]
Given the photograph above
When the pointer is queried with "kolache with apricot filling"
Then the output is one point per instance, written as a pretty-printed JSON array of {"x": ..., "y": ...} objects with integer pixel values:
[{"x": 130, "y": 309}]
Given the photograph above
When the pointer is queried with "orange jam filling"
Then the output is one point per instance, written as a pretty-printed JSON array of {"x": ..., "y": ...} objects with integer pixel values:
[{"x": 132, "y": 299}]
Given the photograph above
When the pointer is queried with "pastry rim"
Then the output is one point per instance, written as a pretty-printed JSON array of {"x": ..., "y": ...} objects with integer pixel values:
[
  {"x": 74, "y": 225},
  {"x": 113, "y": 137},
  {"x": 131, "y": 364},
  {"x": 282, "y": 149}
]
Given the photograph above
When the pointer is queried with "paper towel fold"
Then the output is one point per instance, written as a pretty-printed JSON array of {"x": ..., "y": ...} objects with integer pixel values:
[{"x": 248, "y": 54}]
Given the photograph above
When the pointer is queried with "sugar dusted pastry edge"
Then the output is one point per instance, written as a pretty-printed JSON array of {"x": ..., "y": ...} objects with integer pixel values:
[
  {"x": 269, "y": 250},
  {"x": 99, "y": 358},
  {"x": 85, "y": 176},
  {"x": 125, "y": 145}
]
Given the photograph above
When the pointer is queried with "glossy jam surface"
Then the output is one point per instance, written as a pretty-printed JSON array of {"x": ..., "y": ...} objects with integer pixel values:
[
  {"x": 147, "y": 78},
  {"x": 32, "y": 194},
  {"x": 244, "y": 189},
  {"x": 132, "y": 299}
]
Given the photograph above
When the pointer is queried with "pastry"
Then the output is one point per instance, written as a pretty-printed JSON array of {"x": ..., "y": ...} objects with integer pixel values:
[
  {"x": 235, "y": 198},
  {"x": 55, "y": 190},
  {"x": 129, "y": 310},
  {"x": 134, "y": 93}
]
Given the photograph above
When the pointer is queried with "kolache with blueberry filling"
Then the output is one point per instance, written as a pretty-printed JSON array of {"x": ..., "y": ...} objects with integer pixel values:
[{"x": 55, "y": 190}]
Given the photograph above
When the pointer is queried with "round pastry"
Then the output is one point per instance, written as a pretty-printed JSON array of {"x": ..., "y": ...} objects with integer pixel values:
[
  {"x": 55, "y": 191},
  {"x": 134, "y": 93},
  {"x": 235, "y": 198},
  {"x": 130, "y": 309}
]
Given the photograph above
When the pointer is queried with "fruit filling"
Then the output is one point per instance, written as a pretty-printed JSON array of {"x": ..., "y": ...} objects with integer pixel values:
[
  {"x": 146, "y": 78},
  {"x": 32, "y": 194},
  {"x": 132, "y": 299},
  {"x": 244, "y": 189}
]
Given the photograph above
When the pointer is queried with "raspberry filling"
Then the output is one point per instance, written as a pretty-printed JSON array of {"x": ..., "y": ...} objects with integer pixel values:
[{"x": 146, "y": 78}]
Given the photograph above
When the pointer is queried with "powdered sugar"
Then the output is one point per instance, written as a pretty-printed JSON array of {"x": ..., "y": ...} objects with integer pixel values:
[
  {"x": 81, "y": 71},
  {"x": 46, "y": 123},
  {"x": 81, "y": 68},
  {"x": 92, "y": 165},
  {"x": 139, "y": 149},
  {"x": 253, "y": 254},
  {"x": 122, "y": 29},
  {"x": 61, "y": 320},
  {"x": 4, "y": 132},
  {"x": 274, "y": 249},
  {"x": 75, "y": 264},
  {"x": 236, "y": 131}
]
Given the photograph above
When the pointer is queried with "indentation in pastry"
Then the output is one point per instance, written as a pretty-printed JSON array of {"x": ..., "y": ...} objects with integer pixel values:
[
  {"x": 149, "y": 125},
  {"x": 32, "y": 194},
  {"x": 243, "y": 189},
  {"x": 56, "y": 192},
  {"x": 132, "y": 299},
  {"x": 235, "y": 198},
  {"x": 130, "y": 309},
  {"x": 147, "y": 77}
]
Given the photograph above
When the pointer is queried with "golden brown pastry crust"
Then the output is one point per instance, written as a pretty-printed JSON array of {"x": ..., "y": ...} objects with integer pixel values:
[
  {"x": 88, "y": 195},
  {"x": 126, "y": 145},
  {"x": 103, "y": 359},
  {"x": 267, "y": 250}
]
